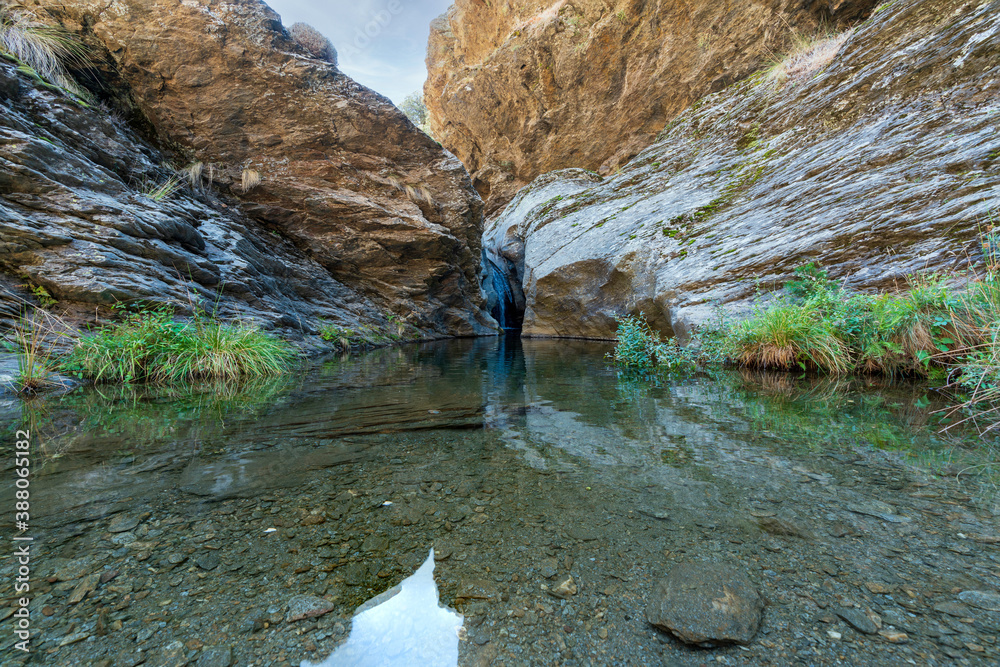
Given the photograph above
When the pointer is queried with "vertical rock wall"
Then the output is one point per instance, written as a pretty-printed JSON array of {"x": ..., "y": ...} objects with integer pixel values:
[
  {"x": 517, "y": 88},
  {"x": 345, "y": 178}
]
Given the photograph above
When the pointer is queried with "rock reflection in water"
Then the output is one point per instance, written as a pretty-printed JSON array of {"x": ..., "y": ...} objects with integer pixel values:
[{"x": 404, "y": 626}]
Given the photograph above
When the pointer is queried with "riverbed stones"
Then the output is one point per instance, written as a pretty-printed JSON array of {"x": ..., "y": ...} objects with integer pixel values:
[
  {"x": 706, "y": 604},
  {"x": 215, "y": 656},
  {"x": 857, "y": 619},
  {"x": 302, "y": 607},
  {"x": 564, "y": 588}
]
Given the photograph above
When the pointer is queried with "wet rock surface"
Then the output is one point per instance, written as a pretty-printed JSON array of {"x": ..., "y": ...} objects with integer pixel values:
[
  {"x": 706, "y": 604},
  {"x": 521, "y": 88},
  {"x": 522, "y": 468},
  {"x": 358, "y": 215},
  {"x": 877, "y": 163}
]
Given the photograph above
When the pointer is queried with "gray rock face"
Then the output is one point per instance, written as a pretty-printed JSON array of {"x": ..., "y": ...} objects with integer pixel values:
[
  {"x": 360, "y": 219},
  {"x": 879, "y": 158},
  {"x": 74, "y": 220},
  {"x": 706, "y": 603}
]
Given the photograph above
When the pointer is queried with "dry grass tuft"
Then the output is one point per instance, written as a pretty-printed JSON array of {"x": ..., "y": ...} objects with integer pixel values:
[
  {"x": 193, "y": 173},
  {"x": 45, "y": 49},
  {"x": 808, "y": 56},
  {"x": 251, "y": 178}
]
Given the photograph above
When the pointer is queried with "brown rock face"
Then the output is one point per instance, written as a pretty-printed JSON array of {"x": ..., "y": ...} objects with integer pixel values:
[
  {"x": 344, "y": 176},
  {"x": 517, "y": 88},
  {"x": 877, "y": 156}
]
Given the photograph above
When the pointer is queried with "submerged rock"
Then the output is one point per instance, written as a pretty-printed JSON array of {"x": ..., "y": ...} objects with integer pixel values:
[
  {"x": 565, "y": 588},
  {"x": 706, "y": 603},
  {"x": 878, "y": 156},
  {"x": 981, "y": 599},
  {"x": 215, "y": 656},
  {"x": 858, "y": 620},
  {"x": 302, "y": 607}
]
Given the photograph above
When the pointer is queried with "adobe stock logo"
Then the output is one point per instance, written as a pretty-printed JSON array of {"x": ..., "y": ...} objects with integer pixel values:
[{"x": 363, "y": 36}]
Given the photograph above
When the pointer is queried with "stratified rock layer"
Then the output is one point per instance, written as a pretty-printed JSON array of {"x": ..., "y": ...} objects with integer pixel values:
[
  {"x": 878, "y": 160},
  {"x": 517, "y": 88},
  {"x": 379, "y": 215},
  {"x": 75, "y": 220}
]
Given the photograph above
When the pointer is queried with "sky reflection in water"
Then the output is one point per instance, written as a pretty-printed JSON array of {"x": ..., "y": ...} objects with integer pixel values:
[{"x": 402, "y": 627}]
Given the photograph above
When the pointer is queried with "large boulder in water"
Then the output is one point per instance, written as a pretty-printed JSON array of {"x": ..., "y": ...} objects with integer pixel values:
[{"x": 706, "y": 604}]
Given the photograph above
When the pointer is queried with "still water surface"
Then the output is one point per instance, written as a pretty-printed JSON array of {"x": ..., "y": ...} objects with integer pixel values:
[{"x": 173, "y": 527}]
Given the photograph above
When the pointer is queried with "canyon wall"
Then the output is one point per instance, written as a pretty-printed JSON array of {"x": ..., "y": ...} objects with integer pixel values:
[
  {"x": 875, "y": 153},
  {"x": 358, "y": 217},
  {"x": 517, "y": 88}
]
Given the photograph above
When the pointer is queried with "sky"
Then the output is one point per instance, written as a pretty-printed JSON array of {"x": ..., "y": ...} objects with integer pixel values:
[{"x": 380, "y": 43}]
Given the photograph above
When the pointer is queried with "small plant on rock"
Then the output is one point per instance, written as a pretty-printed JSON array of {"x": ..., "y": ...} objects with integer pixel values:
[
  {"x": 343, "y": 336},
  {"x": 161, "y": 191}
]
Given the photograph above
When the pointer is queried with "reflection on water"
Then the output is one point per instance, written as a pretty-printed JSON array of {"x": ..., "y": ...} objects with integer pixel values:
[
  {"x": 403, "y": 627},
  {"x": 165, "y": 517}
]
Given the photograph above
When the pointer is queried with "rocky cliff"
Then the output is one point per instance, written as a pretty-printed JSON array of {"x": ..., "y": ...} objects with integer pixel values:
[
  {"x": 875, "y": 152},
  {"x": 517, "y": 88},
  {"x": 357, "y": 216}
]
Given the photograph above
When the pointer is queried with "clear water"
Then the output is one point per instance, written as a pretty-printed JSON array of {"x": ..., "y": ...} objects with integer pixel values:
[{"x": 520, "y": 463}]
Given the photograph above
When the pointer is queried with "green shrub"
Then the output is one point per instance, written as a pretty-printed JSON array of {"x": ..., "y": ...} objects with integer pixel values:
[
  {"x": 639, "y": 347},
  {"x": 150, "y": 345},
  {"x": 343, "y": 336},
  {"x": 809, "y": 278}
]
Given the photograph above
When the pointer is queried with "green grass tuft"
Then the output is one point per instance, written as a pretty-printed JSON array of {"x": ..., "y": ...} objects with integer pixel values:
[
  {"x": 787, "y": 336},
  {"x": 149, "y": 345}
]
